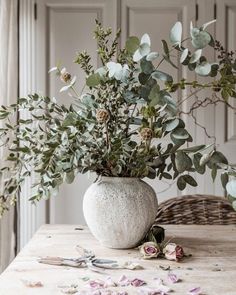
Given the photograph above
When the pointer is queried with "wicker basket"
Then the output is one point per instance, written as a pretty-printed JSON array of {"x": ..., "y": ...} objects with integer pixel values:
[{"x": 196, "y": 209}]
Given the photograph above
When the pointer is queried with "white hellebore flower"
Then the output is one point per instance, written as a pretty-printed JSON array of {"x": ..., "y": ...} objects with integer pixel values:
[{"x": 117, "y": 71}]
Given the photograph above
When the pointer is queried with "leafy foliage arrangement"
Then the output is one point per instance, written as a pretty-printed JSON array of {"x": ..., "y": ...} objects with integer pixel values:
[{"x": 125, "y": 123}]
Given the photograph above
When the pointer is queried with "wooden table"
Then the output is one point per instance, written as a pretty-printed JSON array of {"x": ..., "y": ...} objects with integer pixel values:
[{"x": 211, "y": 267}]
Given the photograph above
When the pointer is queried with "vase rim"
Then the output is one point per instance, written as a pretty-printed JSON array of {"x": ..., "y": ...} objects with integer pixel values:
[{"x": 117, "y": 178}]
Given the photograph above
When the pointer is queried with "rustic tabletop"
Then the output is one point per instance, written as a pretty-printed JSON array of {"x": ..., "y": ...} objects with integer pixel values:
[{"x": 212, "y": 266}]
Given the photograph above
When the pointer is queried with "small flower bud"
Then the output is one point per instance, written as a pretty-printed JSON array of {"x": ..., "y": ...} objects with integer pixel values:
[
  {"x": 146, "y": 134},
  {"x": 102, "y": 115}
]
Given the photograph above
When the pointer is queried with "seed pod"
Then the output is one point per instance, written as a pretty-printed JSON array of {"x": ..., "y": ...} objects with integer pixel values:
[
  {"x": 146, "y": 134},
  {"x": 102, "y": 115},
  {"x": 65, "y": 77}
]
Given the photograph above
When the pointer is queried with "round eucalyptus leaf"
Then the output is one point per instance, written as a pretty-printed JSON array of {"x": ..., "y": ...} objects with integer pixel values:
[
  {"x": 192, "y": 67},
  {"x": 224, "y": 179},
  {"x": 146, "y": 39},
  {"x": 194, "y": 32},
  {"x": 181, "y": 183},
  {"x": 196, "y": 56},
  {"x": 216, "y": 158},
  {"x": 190, "y": 180},
  {"x": 152, "y": 55},
  {"x": 171, "y": 125},
  {"x": 93, "y": 80},
  {"x": 137, "y": 56},
  {"x": 180, "y": 133},
  {"x": 176, "y": 34},
  {"x": 162, "y": 76},
  {"x": 231, "y": 188},
  {"x": 144, "y": 49},
  {"x": 196, "y": 162},
  {"x": 143, "y": 78},
  {"x": 204, "y": 159},
  {"x": 146, "y": 66},
  {"x": 132, "y": 44},
  {"x": 234, "y": 205},
  {"x": 182, "y": 162},
  {"x": 184, "y": 55},
  {"x": 214, "y": 69},
  {"x": 200, "y": 39},
  {"x": 203, "y": 69}
]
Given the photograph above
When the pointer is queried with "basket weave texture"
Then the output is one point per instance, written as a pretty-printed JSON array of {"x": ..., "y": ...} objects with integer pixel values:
[{"x": 196, "y": 209}]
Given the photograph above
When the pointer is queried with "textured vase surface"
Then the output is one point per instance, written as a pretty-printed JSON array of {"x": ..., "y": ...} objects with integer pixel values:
[{"x": 119, "y": 211}]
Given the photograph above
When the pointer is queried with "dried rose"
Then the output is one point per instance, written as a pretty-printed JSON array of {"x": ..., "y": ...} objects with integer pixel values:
[
  {"x": 146, "y": 134},
  {"x": 149, "y": 250},
  {"x": 173, "y": 251},
  {"x": 102, "y": 115}
]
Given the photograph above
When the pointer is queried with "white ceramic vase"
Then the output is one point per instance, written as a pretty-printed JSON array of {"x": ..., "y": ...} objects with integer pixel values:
[{"x": 119, "y": 211}]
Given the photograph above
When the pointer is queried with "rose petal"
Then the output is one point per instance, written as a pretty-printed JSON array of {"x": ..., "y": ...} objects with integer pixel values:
[
  {"x": 124, "y": 281},
  {"x": 132, "y": 265},
  {"x": 151, "y": 291},
  {"x": 195, "y": 291},
  {"x": 172, "y": 278},
  {"x": 109, "y": 282},
  {"x": 96, "y": 284},
  {"x": 137, "y": 282},
  {"x": 32, "y": 284}
]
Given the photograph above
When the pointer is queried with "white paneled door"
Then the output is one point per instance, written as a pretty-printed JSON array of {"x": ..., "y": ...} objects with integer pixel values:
[
  {"x": 57, "y": 29},
  {"x": 63, "y": 29}
]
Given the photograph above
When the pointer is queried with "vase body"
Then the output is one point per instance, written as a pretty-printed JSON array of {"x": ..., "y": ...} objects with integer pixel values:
[{"x": 119, "y": 211}]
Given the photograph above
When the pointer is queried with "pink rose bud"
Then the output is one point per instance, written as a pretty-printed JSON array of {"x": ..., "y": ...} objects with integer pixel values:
[
  {"x": 173, "y": 252},
  {"x": 149, "y": 250}
]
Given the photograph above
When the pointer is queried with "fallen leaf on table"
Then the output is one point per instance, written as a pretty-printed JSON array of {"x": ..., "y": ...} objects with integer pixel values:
[{"x": 32, "y": 284}]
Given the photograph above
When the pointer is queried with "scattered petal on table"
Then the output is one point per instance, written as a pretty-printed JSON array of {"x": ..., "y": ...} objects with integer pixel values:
[
  {"x": 69, "y": 290},
  {"x": 195, "y": 291},
  {"x": 96, "y": 284},
  {"x": 109, "y": 282},
  {"x": 137, "y": 282},
  {"x": 32, "y": 284},
  {"x": 132, "y": 265},
  {"x": 150, "y": 291},
  {"x": 161, "y": 288},
  {"x": 124, "y": 281},
  {"x": 72, "y": 289},
  {"x": 173, "y": 278}
]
